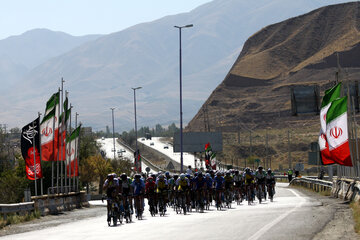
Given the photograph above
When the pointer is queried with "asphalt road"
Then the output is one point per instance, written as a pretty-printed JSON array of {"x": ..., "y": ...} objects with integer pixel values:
[{"x": 293, "y": 215}]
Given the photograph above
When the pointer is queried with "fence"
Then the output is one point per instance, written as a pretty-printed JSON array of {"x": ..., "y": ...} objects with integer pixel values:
[{"x": 5, "y": 209}]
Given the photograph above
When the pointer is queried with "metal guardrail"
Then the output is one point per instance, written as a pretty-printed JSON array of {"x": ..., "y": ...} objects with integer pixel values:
[
  {"x": 314, "y": 181},
  {"x": 16, "y": 208}
]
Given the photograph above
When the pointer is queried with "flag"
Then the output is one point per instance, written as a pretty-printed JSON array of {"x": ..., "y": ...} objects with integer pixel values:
[
  {"x": 72, "y": 156},
  {"x": 47, "y": 137},
  {"x": 210, "y": 157},
  {"x": 51, "y": 103},
  {"x": 330, "y": 95},
  {"x": 30, "y": 142},
  {"x": 337, "y": 132}
]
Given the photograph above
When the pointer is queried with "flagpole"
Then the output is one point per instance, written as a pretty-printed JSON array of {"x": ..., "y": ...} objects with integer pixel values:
[
  {"x": 53, "y": 160},
  {"x": 60, "y": 135},
  {"x": 41, "y": 179},
  {"x": 64, "y": 120},
  {"x": 58, "y": 148},
  {"x": 356, "y": 140},
  {"x": 76, "y": 163},
  {"x": 68, "y": 163},
  {"x": 34, "y": 151}
]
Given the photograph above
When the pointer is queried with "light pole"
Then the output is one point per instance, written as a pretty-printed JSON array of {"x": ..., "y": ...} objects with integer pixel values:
[
  {"x": 137, "y": 164},
  {"x": 112, "y": 112},
  {"x": 181, "y": 127}
]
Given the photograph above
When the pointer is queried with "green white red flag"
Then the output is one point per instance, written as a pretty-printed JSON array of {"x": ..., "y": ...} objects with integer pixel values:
[
  {"x": 72, "y": 163},
  {"x": 210, "y": 157},
  {"x": 330, "y": 95},
  {"x": 47, "y": 136},
  {"x": 337, "y": 132}
]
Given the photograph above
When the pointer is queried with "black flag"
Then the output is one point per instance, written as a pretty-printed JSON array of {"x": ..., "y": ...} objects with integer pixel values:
[{"x": 30, "y": 138}]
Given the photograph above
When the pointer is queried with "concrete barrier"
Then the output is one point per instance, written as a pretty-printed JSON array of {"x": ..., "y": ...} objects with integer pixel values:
[
  {"x": 55, "y": 203},
  {"x": 22, "y": 208}
]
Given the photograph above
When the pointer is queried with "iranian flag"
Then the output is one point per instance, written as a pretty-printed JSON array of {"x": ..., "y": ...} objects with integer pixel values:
[
  {"x": 51, "y": 103},
  {"x": 337, "y": 132},
  {"x": 47, "y": 137},
  {"x": 64, "y": 119},
  {"x": 72, "y": 163},
  {"x": 210, "y": 156},
  {"x": 329, "y": 97}
]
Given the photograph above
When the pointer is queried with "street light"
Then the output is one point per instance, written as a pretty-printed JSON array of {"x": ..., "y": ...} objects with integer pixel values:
[
  {"x": 181, "y": 127},
  {"x": 137, "y": 164},
  {"x": 112, "y": 113}
]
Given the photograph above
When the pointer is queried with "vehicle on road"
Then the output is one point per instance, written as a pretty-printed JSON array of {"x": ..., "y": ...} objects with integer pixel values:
[
  {"x": 152, "y": 144},
  {"x": 166, "y": 147}
]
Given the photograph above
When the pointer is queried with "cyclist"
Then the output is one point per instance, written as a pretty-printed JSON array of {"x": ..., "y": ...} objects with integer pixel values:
[
  {"x": 161, "y": 190},
  {"x": 150, "y": 192},
  {"x": 290, "y": 173},
  {"x": 229, "y": 182},
  {"x": 200, "y": 186},
  {"x": 270, "y": 183},
  {"x": 238, "y": 183},
  {"x": 209, "y": 188},
  {"x": 112, "y": 188},
  {"x": 260, "y": 176},
  {"x": 138, "y": 190},
  {"x": 127, "y": 190},
  {"x": 219, "y": 188},
  {"x": 249, "y": 181},
  {"x": 183, "y": 186}
]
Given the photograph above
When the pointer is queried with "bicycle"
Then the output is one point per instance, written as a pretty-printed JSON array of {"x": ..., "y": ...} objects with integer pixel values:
[
  {"x": 228, "y": 198},
  {"x": 139, "y": 206},
  {"x": 151, "y": 203},
  {"x": 127, "y": 210},
  {"x": 270, "y": 189}
]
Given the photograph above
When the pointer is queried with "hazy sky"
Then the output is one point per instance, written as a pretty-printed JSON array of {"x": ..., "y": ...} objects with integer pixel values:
[{"x": 80, "y": 17}]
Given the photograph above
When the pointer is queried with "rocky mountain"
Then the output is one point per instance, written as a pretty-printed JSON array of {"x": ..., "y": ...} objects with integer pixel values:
[
  {"x": 99, "y": 74},
  {"x": 299, "y": 51}
]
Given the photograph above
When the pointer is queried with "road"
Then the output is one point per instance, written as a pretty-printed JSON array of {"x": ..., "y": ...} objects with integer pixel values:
[
  {"x": 155, "y": 143},
  {"x": 107, "y": 145},
  {"x": 292, "y": 215}
]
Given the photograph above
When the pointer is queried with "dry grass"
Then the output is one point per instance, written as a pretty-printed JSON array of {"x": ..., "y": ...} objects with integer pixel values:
[
  {"x": 355, "y": 206},
  {"x": 15, "y": 218}
]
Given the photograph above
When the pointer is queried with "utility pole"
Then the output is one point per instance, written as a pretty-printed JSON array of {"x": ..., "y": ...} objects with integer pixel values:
[
  {"x": 238, "y": 128},
  {"x": 289, "y": 157},
  {"x": 267, "y": 150}
]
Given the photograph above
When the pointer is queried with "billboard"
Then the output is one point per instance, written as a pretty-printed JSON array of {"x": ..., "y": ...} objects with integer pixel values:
[
  {"x": 305, "y": 99},
  {"x": 195, "y": 141}
]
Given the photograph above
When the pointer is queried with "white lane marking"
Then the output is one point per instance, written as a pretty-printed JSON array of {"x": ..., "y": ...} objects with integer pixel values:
[{"x": 268, "y": 226}]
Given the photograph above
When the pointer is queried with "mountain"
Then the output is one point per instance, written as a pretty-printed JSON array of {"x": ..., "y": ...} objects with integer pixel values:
[
  {"x": 299, "y": 51},
  {"x": 99, "y": 74},
  {"x": 20, "y": 54}
]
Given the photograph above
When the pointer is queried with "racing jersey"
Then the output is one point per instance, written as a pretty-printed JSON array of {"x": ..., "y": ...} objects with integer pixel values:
[
  {"x": 126, "y": 186},
  {"x": 199, "y": 183},
  {"x": 270, "y": 178},
  {"x": 209, "y": 182},
  {"x": 161, "y": 184},
  {"x": 110, "y": 186},
  {"x": 260, "y": 176},
  {"x": 249, "y": 178},
  {"x": 150, "y": 187},
  {"x": 138, "y": 186},
  {"x": 182, "y": 184},
  {"x": 219, "y": 182}
]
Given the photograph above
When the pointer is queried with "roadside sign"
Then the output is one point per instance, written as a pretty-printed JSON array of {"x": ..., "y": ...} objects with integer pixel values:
[{"x": 147, "y": 169}]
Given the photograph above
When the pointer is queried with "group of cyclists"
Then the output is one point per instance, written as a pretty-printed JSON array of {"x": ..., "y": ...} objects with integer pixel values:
[{"x": 184, "y": 192}]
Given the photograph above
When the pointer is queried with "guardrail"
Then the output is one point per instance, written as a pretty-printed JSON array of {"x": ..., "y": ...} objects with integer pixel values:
[
  {"x": 312, "y": 183},
  {"x": 5, "y": 209}
]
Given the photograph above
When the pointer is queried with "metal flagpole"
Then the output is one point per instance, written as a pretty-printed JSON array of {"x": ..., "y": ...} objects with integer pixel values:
[
  {"x": 61, "y": 135},
  {"x": 41, "y": 180},
  {"x": 356, "y": 140},
  {"x": 34, "y": 151},
  {"x": 67, "y": 179},
  {"x": 68, "y": 158},
  {"x": 53, "y": 160},
  {"x": 76, "y": 158}
]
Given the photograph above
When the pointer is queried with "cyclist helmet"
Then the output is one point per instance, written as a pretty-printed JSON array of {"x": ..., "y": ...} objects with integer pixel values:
[
  {"x": 110, "y": 176},
  {"x": 269, "y": 170},
  {"x": 176, "y": 176},
  {"x": 167, "y": 174},
  {"x": 137, "y": 176},
  {"x": 236, "y": 172},
  {"x": 123, "y": 176},
  {"x": 153, "y": 175},
  {"x": 260, "y": 168},
  {"x": 200, "y": 175},
  {"x": 247, "y": 170},
  {"x": 228, "y": 173},
  {"x": 150, "y": 179},
  {"x": 114, "y": 175},
  {"x": 207, "y": 175},
  {"x": 161, "y": 176},
  {"x": 218, "y": 173},
  {"x": 182, "y": 176}
]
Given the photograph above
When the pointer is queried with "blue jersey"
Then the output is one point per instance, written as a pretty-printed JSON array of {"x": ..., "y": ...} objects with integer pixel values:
[
  {"x": 209, "y": 182},
  {"x": 138, "y": 187},
  {"x": 219, "y": 182},
  {"x": 199, "y": 184}
]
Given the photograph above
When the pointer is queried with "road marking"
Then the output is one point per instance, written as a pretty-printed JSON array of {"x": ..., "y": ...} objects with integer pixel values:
[{"x": 268, "y": 226}]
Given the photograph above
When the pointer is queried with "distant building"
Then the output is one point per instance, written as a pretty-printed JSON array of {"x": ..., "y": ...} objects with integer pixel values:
[{"x": 87, "y": 131}]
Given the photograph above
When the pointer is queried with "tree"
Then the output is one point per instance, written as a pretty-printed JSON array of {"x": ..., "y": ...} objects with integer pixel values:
[{"x": 101, "y": 167}]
